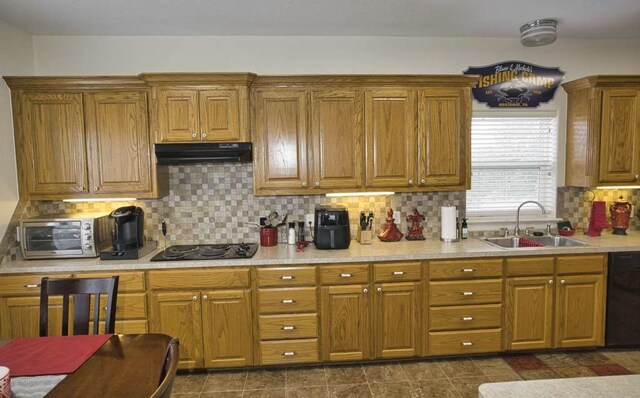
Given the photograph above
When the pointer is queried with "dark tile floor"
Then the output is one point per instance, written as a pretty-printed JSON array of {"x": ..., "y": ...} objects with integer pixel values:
[{"x": 450, "y": 377}]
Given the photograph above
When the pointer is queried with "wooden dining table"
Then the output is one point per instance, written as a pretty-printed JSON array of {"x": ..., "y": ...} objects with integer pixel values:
[{"x": 125, "y": 366}]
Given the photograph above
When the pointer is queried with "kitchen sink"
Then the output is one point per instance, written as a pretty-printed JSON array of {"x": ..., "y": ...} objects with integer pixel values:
[{"x": 547, "y": 241}]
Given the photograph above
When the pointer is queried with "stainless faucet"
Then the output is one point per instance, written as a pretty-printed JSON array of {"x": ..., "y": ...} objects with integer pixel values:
[{"x": 516, "y": 231}]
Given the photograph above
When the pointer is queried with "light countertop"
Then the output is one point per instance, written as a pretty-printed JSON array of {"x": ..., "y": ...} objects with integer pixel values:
[{"x": 375, "y": 252}]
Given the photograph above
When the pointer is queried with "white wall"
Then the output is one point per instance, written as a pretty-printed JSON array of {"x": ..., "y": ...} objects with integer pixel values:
[
  {"x": 16, "y": 59},
  {"x": 97, "y": 55}
]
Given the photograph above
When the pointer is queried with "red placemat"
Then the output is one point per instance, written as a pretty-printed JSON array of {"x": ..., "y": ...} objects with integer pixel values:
[{"x": 49, "y": 355}]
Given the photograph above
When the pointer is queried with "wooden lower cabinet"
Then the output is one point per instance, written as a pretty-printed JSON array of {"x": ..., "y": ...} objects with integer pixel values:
[
  {"x": 396, "y": 315},
  {"x": 21, "y": 317},
  {"x": 580, "y": 310},
  {"x": 529, "y": 313}
]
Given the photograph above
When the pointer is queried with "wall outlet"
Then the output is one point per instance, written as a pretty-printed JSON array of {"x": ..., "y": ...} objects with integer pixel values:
[{"x": 308, "y": 218}]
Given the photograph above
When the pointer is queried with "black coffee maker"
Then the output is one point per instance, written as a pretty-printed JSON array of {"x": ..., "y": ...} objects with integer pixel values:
[{"x": 127, "y": 235}]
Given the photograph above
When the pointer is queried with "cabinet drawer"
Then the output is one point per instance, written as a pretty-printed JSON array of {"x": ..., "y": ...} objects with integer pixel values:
[
  {"x": 199, "y": 278},
  {"x": 465, "y": 342},
  {"x": 465, "y": 317},
  {"x": 393, "y": 272},
  {"x": 581, "y": 264},
  {"x": 465, "y": 269},
  {"x": 138, "y": 326},
  {"x": 467, "y": 292},
  {"x": 281, "y": 327},
  {"x": 299, "y": 299},
  {"x": 530, "y": 266},
  {"x": 346, "y": 274},
  {"x": 128, "y": 281},
  {"x": 286, "y": 276},
  {"x": 128, "y": 306},
  {"x": 11, "y": 285},
  {"x": 288, "y": 351}
]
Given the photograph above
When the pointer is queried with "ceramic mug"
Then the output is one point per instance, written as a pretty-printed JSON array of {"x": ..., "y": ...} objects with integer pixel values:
[{"x": 5, "y": 382}]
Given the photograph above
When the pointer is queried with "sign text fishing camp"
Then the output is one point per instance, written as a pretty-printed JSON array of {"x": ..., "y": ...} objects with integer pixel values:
[{"x": 515, "y": 84}]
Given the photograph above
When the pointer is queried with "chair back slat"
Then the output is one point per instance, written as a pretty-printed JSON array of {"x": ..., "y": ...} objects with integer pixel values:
[{"x": 82, "y": 290}]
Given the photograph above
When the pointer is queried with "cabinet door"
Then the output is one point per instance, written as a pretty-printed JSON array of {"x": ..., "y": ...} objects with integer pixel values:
[
  {"x": 396, "y": 320},
  {"x": 337, "y": 132},
  {"x": 226, "y": 328},
  {"x": 443, "y": 133},
  {"x": 51, "y": 143},
  {"x": 620, "y": 136},
  {"x": 219, "y": 115},
  {"x": 178, "y": 115},
  {"x": 178, "y": 314},
  {"x": 345, "y": 323},
  {"x": 529, "y": 313},
  {"x": 390, "y": 125},
  {"x": 23, "y": 317},
  {"x": 281, "y": 140},
  {"x": 119, "y": 149},
  {"x": 580, "y": 307}
]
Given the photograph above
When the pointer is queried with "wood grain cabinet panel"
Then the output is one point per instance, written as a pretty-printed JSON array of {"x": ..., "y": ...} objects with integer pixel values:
[
  {"x": 397, "y": 314},
  {"x": 465, "y": 342},
  {"x": 465, "y": 317},
  {"x": 465, "y": 269},
  {"x": 220, "y": 115},
  {"x": 288, "y": 351},
  {"x": 118, "y": 142},
  {"x": 50, "y": 141},
  {"x": 529, "y": 313},
  {"x": 286, "y": 276},
  {"x": 288, "y": 326},
  {"x": 443, "y": 128},
  {"x": 287, "y": 300},
  {"x": 465, "y": 292},
  {"x": 23, "y": 317},
  {"x": 178, "y": 115},
  {"x": 580, "y": 310}
]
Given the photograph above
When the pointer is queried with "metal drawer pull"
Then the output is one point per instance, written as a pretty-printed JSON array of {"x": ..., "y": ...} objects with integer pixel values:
[
  {"x": 289, "y": 353},
  {"x": 288, "y": 301},
  {"x": 288, "y": 327},
  {"x": 194, "y": 298},
  {"x": 467, "y": 293},
  {"x": 287, "y": 277},
  {"x": 31, "y": 286},
  {"x": 467, "y": 343},
  {"x": 345, "y": 275},
  {"x": 467, "y": 318},
  {"x": 467, "y": 270},
  {"x": 395, "y": 273}
]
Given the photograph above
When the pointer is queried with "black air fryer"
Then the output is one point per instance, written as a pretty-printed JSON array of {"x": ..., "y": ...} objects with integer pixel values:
[{"x": 331, "y": 230}]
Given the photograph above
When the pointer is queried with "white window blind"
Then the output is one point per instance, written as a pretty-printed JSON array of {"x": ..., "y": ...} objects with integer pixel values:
[{"x": 513, "y": 159}]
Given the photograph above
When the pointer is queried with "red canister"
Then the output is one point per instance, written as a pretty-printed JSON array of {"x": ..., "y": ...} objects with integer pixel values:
[{"x": 268, "y": 236}]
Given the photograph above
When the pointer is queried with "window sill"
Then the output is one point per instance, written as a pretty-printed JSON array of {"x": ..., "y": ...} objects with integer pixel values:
[{"x": 495, "y": 223}]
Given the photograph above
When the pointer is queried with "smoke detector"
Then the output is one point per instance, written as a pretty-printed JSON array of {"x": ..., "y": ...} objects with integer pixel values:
[{"x": 539, "y": 32}]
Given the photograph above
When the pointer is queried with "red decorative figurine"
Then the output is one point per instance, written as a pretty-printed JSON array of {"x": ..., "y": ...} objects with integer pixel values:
[
  {"x": 415, "y": 229},
  {"x": 620, "y": 215},
  {"x": 390, "y": 232}
]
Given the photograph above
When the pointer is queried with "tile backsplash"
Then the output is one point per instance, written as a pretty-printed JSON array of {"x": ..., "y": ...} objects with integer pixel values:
[{"x": 215, "y": 203}]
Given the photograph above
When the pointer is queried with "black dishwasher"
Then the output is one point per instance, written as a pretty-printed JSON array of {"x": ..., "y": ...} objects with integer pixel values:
[{"x": 623, "y": 300}]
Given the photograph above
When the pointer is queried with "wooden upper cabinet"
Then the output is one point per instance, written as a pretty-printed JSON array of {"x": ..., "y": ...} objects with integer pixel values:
[
  {"x": 443, "y": 131},
  {"x": 50, "y": 142},
  {"x": 220, "y": 115},
  {"x": 390, "y": 125},
  {"x": 119, "y": 148},
  {"x": 580, "y": 311},
  {"x": 620, "y": 136},
  {"x": 178, "y": 115},
  {"x": 337, "y": 134},
  {"x": 603, "y": 131},
  {"x": 280, "y": 152}
]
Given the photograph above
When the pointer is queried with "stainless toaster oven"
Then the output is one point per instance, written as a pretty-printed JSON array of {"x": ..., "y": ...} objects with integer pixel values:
[{"x": 64, "y": 235}]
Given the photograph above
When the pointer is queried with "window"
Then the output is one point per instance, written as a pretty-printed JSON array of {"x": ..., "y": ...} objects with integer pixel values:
[{"x": 513, "y": 159}]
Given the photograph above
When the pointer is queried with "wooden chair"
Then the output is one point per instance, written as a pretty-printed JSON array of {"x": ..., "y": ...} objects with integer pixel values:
[
  {"x": 81, "y": 290},
  {"x": 168, "y": 371}
]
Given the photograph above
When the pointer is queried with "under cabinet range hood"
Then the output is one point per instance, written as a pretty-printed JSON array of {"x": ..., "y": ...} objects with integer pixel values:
[{"x": 203, "y": 152}]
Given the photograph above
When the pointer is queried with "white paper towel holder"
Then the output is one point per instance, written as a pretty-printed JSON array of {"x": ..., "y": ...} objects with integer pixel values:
[{"x": 449, "y": 240}]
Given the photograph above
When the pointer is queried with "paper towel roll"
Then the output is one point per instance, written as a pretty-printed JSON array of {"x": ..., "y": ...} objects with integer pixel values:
[{"x": 448, "y": 223}]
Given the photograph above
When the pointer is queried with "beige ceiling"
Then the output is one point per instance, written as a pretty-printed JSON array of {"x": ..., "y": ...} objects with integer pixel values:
[{"x": 460, "y": 18}]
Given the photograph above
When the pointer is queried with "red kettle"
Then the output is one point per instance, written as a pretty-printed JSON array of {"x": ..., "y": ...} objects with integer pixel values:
[{"x": 620, "y": 216}]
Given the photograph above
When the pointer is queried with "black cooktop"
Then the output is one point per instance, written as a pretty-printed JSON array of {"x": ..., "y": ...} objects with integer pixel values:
[{"x": 223, "y": 251}]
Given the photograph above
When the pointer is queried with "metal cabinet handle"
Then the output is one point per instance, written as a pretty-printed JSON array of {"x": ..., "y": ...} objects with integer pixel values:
[
  {"x": 204, "y": 135},
  {"x": 365, "y": 290},
  {"x": 468, "y": 270},
  {"x": 95, "y": 188},
  {"x": 288, "y": 301},
  {"x": 345, "y": 275},
  {"x": 194, "y": 298},
  {"x": 194, "y": 135},
  {"x": 379, "y": 289},
  {"x": 81, "y": 188},
  {"x": 304, "y": 183},
  {"x": 467, "y": 294},
  {"x": 288, "y": 353},
  {"x": 205, "y": 297},
  {"x": 563, "y": 281},
  {"x": 317, "y": 183},
  {"x": 287, "y": 277},
  {"x": 467, "y": 318},
  {"x": 466, "y": 344},
  {"x": 32, "y": 286},
  {"x": 551, "y": 281},
  {"x": 422, "y": 181},
  {"x": 637, "y": 176},
  {"x": 410, "y": 182},
  {"x": 288, "y": 327},
  {"x": 397, "y": 273}
]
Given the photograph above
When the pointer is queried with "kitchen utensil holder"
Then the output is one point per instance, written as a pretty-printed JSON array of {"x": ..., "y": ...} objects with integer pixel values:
[{"x": 365, "y": 237}]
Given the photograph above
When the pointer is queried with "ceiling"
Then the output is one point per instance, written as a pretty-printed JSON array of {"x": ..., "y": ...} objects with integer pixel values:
[{"x": 605, "y": 19}]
